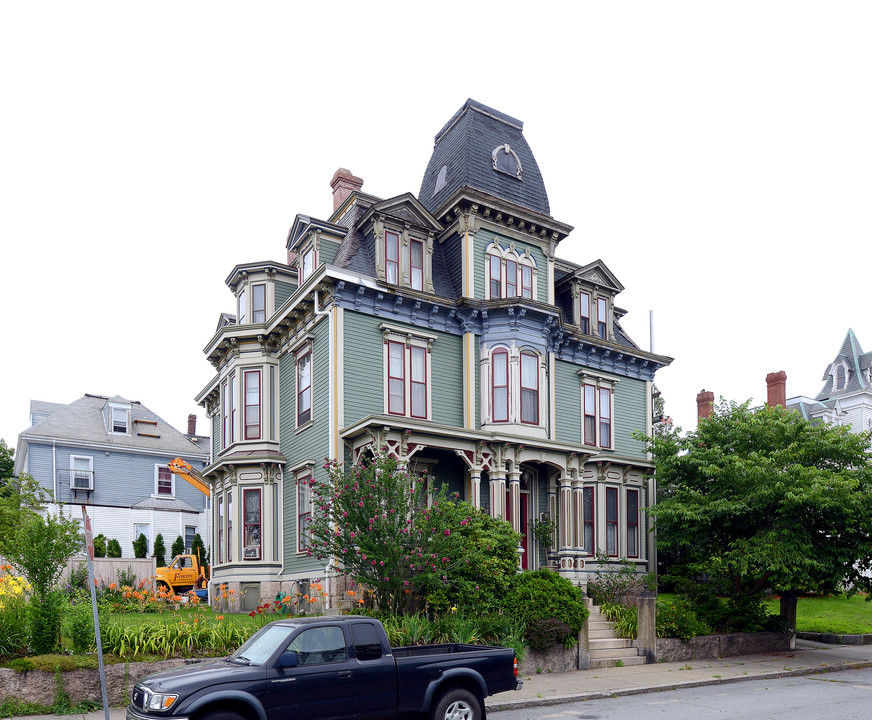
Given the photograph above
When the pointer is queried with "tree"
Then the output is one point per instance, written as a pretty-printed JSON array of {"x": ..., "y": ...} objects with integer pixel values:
[
  {"x": 140, "y": 546},
  {"x": 178, "y": 546},
  {"x": 113, "y": 548},
  {"x": 160, "y": 550},
  {"x": 763, "y": 498},
  {"x": 6, "y": 461},
  {"x": 40, "y": 547},
  {"x": 100, "y": 545}
]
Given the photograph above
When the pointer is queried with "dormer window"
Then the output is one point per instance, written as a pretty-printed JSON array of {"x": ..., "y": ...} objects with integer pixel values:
[
  {"x": 392, "y": 257},
  {"x": 506, "y": 160},
  {"x": 402, "y": 258},
  {"x": 416, "y": 265},
  {"x": 840, "y": 377},
  {"x": 307, "y": 264},
  {"x": 602, "y": 314},
  {"x": 119, "y": 420},
  {"x": 584, "y": 315}
]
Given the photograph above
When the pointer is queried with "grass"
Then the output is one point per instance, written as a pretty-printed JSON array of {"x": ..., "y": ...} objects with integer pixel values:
[{"x": 837, "y": 614}]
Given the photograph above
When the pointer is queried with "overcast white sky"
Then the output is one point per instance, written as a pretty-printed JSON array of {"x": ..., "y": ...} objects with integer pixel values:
[{"x": 716, "y": 156}]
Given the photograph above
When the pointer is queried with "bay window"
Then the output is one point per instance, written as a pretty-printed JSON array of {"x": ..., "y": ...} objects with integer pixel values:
[
  {"x": 496, "y": 274},
  {"x": 229, "y": 526},
  {"x": 632, "y": 523},
  {"x": 527, "y": 282},
  {"x": 258, "y": 303},
  {"x": 241, "y": 316},
  {"x": 228, "y": 411},
  {"x": 251, "y": 533},
  {"x": 252, "y": 404},
  {"x": 529, "y": 388},
  {"x": 500, "y": 386},
  {"x": 511, "y": 278},
  {"x": 612, "y": 522},
  {"x": 510, "y": 273},
  {"x": 220, "y": 524}
]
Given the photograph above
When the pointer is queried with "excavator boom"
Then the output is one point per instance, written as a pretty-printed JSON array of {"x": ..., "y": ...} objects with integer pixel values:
[{"x": 186, "y": 471}]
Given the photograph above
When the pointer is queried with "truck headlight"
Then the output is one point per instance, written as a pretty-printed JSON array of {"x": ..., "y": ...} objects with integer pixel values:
[{"x": 158, "y": 701}]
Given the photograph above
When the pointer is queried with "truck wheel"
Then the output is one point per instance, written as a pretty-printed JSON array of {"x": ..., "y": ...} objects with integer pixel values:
[
  {"x": 222, "y": 715},
  {"x": 456, "y": 704},
  {"x": 162, "y": 586}
]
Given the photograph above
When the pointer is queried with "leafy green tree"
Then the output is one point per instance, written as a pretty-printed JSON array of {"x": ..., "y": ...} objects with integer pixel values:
[
  {"x": 113, "y": 548},
  {"x": 160, "y": 550},
  {"x": 140, "y": 546},
  {"x": 542, "y": 596},
  {"x": 178, "y": 547},
  {"x": 374, "y": 520},
  {"x": 40, "y": 547},
  {"x": 198, "y": 547},
  {"x": 6, "y": 461},
  {"x": 100, "y": 546},
  {"x": 763, "y": 498}
]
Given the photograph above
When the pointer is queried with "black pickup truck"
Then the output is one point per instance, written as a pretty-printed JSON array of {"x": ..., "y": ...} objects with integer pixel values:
[{"x": 329, "y": 668}]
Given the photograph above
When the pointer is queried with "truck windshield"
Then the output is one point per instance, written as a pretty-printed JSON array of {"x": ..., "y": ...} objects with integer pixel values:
[{"x": 261, "y": 646}]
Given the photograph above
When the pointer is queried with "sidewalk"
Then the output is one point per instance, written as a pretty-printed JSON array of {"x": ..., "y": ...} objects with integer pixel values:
[{"x": 555, "y": 688}]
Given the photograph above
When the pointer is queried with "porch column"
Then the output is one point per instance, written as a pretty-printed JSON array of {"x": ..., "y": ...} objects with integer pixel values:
[
  {"x": 553, "y": 514},
  {"x": 475, "y": 487},
  {"x": 515, "y": 495},
  {"x": 498, "y": 493},
  {"x": 578, "y": 524},
  {"x": 567, "y": 524}
]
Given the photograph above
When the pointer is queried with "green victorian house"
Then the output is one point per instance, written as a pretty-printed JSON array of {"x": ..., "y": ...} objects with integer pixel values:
[{"x": 442, "y": 329}]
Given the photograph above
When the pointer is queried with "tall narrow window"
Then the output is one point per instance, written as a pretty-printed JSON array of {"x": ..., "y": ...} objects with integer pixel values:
[
  {"x": 589, "y": 414},
  {"x": 220, "y": 529},
  {"x": 605, "y": 417},
  {"x": 511, "y": 278},
  {"x": 304, "y": 512},
  {"x": 840, "y": 377},
  {"x": 396, "y": 379},
  {"x": 601, "y": 315},
  {"x": 252, "y": 404},
  {"x": 632, "y": 523},
  {"x": 392, "y": 257},
  {"x": 251, "y": 523},
  {"x": 241, "y": 314},
  {"x": 416, "y": 264},
  {"x": 587, "y": 520},
  {"x": 496, "y": 269},
  {"x": 164, "y": 483},
  {"x": 258, "y": 303},
  {"x": 307, "y": 266},
  {"x": 304, "y": 388},
  {"x": 231, "y": 397},
  {"x": 529, "y": 389},
  {"x": 527, "y": 282},
  {"x": 229, "y": 527},
  {"x": 584, "y": 312},
  {"x": 418, "y": 359},
  {"x": 225, "y": 416},
  {"x": 612, "y": 522},
  {"x": 500, "y": 386}
]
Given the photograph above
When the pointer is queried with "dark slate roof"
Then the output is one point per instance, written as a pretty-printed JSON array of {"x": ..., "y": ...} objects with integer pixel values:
[
  {"x": 465, "y": 147},
  {"x": 858, "y": 364},
  {"x": 621, "y": 337}
]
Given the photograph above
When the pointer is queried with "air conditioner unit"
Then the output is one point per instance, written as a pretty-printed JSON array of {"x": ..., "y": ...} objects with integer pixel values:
[{"x": 81, "y": 481}]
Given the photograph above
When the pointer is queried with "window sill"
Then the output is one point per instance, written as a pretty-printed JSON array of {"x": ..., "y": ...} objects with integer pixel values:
[{"x": 304, "y": 426}]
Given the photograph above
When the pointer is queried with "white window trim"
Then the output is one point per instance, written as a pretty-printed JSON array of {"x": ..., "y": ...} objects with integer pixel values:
[
  {"x": 404, "y": 255},
  {"x": 90, "y": 460},
  {"x": 599, "y": 382},
  {"x": 524, "y": 258},
  {"x": 514, "y": 420},
  {"x": 242, "y": 303},
  {"x": 409, "y": 338},
  {"x": 315, "y": 246},
  {"x": 126, "y": 409},
  {"x": 301, "y": 472},
  {"x": 172, "y": 494}
]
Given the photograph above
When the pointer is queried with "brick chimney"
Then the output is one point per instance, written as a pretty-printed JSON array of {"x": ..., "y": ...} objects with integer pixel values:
[
  {"x": 192, "y": 424},
  {"x": 776, "y": 389},
  {"x": 705, "y": 401},
  {"x": 343, "y": 184}
]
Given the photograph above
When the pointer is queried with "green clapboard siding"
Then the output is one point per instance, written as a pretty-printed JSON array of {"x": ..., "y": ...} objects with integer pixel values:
[
  {"x": 327, "y": 251},
  {"x": 629, "y": 412},
  {"x": 483, "y": 238},
  {"x": 364, "y": 374},
  {"x": 309, "y": 444},
  {"x": 283, "y": 292}
]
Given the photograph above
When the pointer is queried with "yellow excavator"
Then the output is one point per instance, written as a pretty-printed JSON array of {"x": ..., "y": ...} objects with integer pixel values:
[{"x": 185, "y": 572}]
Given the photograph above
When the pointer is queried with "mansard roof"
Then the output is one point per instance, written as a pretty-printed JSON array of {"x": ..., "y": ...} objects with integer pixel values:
[
  {"x": 857, "y": 364},
  {"x": 595, "y": 273},
  {"x": 466, "y": 152}
]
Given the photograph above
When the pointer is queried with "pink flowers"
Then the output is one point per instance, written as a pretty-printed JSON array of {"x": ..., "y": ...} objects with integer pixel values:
[{"x": 447, "y": 532}]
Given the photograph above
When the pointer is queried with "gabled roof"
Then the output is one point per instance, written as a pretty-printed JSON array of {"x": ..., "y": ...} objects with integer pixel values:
[
  {"x": 303, "y": 224},
  {"x": 407, "y": 208},
  {"x": 857, "y": 364},
  {"x": 596, "y": 273},
  {"x": 466, "y": 149},
  {"x": 84, "y": 421}
]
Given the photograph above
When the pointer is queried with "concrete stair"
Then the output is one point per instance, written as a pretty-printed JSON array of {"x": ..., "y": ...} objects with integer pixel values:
[{"x": 606, "y": 648}]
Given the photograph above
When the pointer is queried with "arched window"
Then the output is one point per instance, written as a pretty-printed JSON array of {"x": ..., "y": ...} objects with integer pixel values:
[
  {"x": 509, "y": 273},
  {"x": 840, "y": 377},
  {"x": 500, "y": 386}
]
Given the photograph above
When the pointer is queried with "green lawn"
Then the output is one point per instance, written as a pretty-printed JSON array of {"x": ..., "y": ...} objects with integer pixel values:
[{"x": 831, "y": 614}]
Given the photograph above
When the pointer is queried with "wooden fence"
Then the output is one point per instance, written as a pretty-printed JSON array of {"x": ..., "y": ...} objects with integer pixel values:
[{"x": 106, "y": 569}]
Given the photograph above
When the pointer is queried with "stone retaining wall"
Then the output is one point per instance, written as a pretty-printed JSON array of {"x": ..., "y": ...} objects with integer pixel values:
[
  {"x": 718, "y": 646},
  {"x": 832, "y": 639},
  {"x": 39, "y": 686}
]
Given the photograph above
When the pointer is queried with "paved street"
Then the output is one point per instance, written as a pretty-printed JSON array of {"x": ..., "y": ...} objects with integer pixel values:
[{"x": 846, "y": 695}]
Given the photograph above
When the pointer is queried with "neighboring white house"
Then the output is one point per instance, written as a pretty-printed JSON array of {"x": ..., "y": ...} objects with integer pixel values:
[{"x": 111, "y": 455}]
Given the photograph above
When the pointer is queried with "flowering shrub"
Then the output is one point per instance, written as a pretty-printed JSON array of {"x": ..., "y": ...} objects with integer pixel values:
[
  {"x": 13, "y": 621},
  {"x": 299, "y": 603},
  {"x": 375, "y": 520}
]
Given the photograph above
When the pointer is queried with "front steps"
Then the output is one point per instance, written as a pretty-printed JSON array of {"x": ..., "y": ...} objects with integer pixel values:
[{"x": 606, "y": 649}]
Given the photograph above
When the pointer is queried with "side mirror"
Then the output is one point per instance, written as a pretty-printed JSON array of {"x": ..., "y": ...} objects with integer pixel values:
[{"x": 288, "y": 659}]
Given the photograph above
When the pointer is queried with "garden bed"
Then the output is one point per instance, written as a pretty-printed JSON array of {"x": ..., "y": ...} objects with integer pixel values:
[{"x": 719, "y": 646}]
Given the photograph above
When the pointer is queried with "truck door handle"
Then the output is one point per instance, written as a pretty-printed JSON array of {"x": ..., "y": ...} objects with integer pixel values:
[{"x": 344, "y": 674}]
